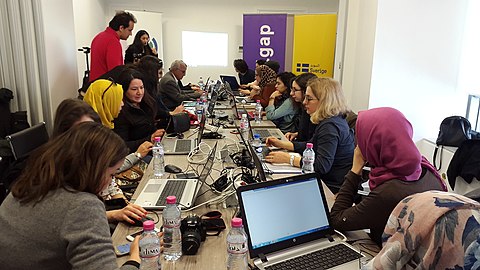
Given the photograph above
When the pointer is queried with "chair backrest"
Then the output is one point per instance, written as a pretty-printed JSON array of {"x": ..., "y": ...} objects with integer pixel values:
[{"x": 27, "y": 140}]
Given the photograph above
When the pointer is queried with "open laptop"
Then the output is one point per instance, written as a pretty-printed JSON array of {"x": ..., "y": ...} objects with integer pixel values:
[
  {"x": 232, "y": 81},
  {"x": 193, "y": 103},
  {"x": 288, "y": 222},
  {"x": 265, "y": 133},
  {"x": 156, "y": 191},
  {"x": 174, "y": 146}
]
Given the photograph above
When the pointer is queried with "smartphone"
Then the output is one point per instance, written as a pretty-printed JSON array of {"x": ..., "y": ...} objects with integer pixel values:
[
  {"x": 132, "y": 236},
  {"x": 121, "y": 250}
]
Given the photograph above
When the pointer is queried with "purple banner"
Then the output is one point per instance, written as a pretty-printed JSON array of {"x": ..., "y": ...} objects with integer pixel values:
[{"x": 264, "y": 38}]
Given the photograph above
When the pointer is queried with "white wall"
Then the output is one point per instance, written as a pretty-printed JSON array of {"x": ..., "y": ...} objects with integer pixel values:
[
  {"x": 60, "y": 51},
  {"x": 89, "y": 20},
  {"x": 414, "y": 59},
  {"x": 212, "y": 16}
]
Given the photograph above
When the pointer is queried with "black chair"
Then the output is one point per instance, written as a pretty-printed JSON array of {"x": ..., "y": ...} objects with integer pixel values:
[{"x": 24, "y": 142}]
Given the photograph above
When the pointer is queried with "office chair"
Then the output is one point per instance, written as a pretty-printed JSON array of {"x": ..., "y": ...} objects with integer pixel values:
[{"x": 27, "y": 140}]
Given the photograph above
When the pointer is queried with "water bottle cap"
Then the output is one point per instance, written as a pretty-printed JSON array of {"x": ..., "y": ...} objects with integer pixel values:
[
  {"x": 256, "y": 136},
  {"x": 171, "y": 199},
  {"x": 157, "y": 139},
  {"x": 148, "y": 225},
  {"x": 236, "y": 222},
  {"x": 258, "y": 100},
  {"x": 309, "y": 145},
  {"x": 244, "y": 115}
]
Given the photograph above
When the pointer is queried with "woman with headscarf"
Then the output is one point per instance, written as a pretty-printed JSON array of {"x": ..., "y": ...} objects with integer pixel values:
[
  {"x": 384, "y": 138},
  {"x": 431, "y": 230},
  {"x": 266, "y": 78}
]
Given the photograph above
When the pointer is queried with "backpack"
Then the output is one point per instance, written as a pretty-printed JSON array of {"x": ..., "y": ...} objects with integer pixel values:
[{"x": 453, "y": 131}]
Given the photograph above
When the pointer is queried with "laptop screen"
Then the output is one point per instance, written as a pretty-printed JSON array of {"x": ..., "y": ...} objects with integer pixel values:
[
  {"x": 231, "y": 80},
  {"x": 283, "y": 213}
]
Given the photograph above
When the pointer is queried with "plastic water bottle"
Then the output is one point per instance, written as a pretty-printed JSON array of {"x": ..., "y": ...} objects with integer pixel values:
[
  {"x": 308, "y": 159},
  {"x": 149, "y": 244},
  {"x": 200, "y": 83},
  {"x": 258, "y": 112},
  {"x": 237, "y": 246},
  {"x": 158, "y": 160},
  {"x": 198, "y": 105},
  {"x": 172, "y": 237},
  {"x": 257, "y": 146},
  {"x": 244, "y": 127}
]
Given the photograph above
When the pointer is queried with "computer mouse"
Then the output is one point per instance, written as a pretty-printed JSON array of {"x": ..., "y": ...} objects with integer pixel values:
[
  {"x": 139, "y": 223},
  {"x": 172, "y": 169}
]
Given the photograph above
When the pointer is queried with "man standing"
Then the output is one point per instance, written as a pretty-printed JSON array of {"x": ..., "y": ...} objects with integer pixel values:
[
  {"x": 106, "y": 48},
  {"x": 169, "y": 89}
]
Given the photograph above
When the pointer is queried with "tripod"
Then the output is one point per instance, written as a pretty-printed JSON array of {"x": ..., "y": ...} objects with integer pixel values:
[{"x": 86, "y": 74}]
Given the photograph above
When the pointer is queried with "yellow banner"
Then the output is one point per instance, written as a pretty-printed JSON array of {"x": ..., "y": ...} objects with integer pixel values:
[{"x": 314, "y": 44}]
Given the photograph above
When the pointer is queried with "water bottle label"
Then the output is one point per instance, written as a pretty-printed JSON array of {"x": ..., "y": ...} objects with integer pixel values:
[
  {"x": 171, "y": 223},
  {"x": 150, "y": 252},
  {"x": 237, "y": 248}
]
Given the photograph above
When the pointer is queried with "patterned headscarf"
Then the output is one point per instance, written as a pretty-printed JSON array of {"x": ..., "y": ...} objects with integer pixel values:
[
  {"x": 431, "y": 230},
  {"x": 105, "y": 97},
  {"x": 384, "y": 137},
  {"x": 267, "y": 76}
]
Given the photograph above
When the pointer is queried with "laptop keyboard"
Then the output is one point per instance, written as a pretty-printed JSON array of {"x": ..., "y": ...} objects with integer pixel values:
[
  {"x": 321, "y": 259},
  {"x": 183, "y": 146},
  {"x": 172, "y": 188}
]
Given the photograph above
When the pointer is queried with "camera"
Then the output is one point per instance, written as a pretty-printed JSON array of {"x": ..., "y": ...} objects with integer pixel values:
[{"x": 193, "y": 233}]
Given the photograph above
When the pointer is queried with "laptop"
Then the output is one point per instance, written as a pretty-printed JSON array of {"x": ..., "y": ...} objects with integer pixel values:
[
  {"x": 288, "y": 222},
  {"x": 265, "y": 133},
  {"x": 174, "y": 146},
  {"x": 156, "y": 191},
  {"x": 193, "y": 103},
  {"x": 232, "y": 81}
]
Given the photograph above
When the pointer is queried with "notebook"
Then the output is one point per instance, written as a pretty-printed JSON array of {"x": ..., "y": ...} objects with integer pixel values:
[
  {"x": 154, "y": 194},
  {"x": 174, "y": 146},
  {"x": 287, "y": 220}
]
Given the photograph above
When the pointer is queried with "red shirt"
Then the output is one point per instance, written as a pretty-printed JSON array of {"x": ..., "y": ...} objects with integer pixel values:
[{"x": 106, "y": 53}]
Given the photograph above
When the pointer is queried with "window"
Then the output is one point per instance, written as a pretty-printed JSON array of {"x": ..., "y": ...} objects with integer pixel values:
[
  {"x": 205, "y": 49},
  {"x": 473, "y": 110}
]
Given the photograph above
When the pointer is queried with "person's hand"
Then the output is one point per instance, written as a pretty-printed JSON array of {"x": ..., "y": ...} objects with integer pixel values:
[
  {"x": 275, "y": 94},
  {"x": 135, "y": 250},
  {"x": 129, "y": 213},
  {"x": 291, "y": 135},
  {"x": 245, "y": 92},
  {"x": 196, "y": 88},
  {"x": 178, "y": 109},
  {"x": 154, "y": 51},
  {"x": 278, "y": 157},
  {"x": 157, "y": 133},
  {"x": 358, "y": 161},
  {"x": 144, "y": 148}
]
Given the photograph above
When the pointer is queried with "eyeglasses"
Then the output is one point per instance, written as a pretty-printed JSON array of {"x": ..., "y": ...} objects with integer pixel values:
[
  {"x": 113, "y": 82},
  {"x": 308, "y": 99}
]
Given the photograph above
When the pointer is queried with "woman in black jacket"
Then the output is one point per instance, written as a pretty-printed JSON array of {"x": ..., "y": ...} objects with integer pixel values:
[{"x": 139, "y": 48}]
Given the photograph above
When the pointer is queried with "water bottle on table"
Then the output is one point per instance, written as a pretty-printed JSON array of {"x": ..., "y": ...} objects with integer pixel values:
[
  {"x": 244, "y": 124},
  {"x": 149, "y": 244},
  {"x": 158, "y": 159},
  {"x": 258, "y": 112},
  {"x": 257, "y": 146},
  {"x": 308, "y": 159},
  {"x": 172, "y": 237},
  {"x": 237, "y": 246}
]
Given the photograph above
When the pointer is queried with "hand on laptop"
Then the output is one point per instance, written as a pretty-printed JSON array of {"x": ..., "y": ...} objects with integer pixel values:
[
  {"x": 272, "y": 141},
  {"x": 178, "y": 109},
  {"x": 278, "y": 157},
  {"x": 144, "y": 148},
  {"x": 245, "y": 92},
  {"x": 128, "y": 213},
  {"x": 157, "y": 133}
]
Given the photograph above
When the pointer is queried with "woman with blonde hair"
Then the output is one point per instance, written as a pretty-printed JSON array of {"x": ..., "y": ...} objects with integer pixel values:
[
  {"x": 333, "y": 141},
  {"x": 54, "y": 208}
]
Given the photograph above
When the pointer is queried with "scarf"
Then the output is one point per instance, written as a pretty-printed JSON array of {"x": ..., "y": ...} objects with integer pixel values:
[{"x": 105, "y": 97}]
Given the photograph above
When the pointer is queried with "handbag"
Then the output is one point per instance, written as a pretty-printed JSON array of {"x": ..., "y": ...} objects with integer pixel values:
[
  {"x": 134, "y": 174},
  {"x": 453, "y": 131}
]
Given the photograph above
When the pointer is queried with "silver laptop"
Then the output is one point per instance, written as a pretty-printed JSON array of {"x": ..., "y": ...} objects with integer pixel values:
[
  {"x": 288, "y": 223},
  {"x": 174, "y": 146},
  {"x": 156, "y": 191}
]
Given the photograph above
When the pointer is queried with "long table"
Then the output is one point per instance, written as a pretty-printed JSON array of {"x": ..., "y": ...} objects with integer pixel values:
[{"x": 212, "y": 253}]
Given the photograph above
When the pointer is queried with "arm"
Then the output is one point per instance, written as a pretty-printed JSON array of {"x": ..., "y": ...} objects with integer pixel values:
[
  {"x": 325, "y": 145},
  {"x": 285, "y": 109},
  {"x": 264, "y": 95},
  {"x": 88, "y": 241},
  {"x": 171, "y": 91},
  {"x": 122, "y": 128}
]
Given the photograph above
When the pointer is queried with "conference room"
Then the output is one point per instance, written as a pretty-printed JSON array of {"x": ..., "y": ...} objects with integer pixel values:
[{"x": 416, "y": 58}]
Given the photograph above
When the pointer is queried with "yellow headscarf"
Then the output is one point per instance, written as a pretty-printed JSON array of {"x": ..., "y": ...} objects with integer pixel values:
[{"x": 105, "y": 97}]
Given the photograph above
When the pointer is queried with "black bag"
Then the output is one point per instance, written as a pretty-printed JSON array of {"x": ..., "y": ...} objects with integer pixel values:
[{"x": 453, "y": 131}]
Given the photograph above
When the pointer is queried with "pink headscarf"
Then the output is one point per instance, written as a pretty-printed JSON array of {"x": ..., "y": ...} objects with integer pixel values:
[{"x": 384, "y": 137}]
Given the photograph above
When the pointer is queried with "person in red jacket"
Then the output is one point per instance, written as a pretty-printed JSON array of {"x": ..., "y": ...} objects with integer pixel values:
[{"x": 106, "y": 50}]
